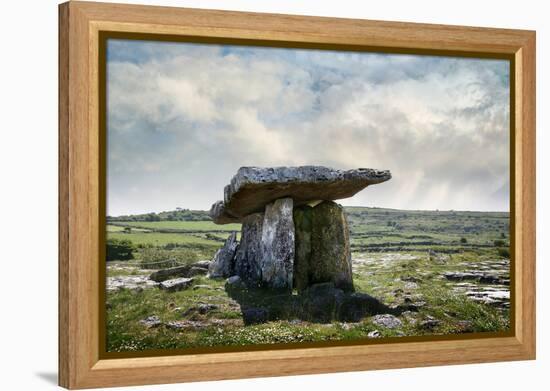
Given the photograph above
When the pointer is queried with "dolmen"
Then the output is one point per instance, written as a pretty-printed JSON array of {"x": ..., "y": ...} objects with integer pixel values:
[{"x": 293, "y": 235}]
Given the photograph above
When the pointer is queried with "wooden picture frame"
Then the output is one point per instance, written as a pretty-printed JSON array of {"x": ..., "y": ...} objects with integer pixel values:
[{"x": 81, "y": 164}]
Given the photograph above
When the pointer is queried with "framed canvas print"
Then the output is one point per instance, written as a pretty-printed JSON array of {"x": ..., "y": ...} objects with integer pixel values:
[{"x": 247, "y": 195}]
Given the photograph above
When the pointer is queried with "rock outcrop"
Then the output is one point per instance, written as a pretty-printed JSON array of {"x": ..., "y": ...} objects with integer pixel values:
[{"x": 248, "y": 256}]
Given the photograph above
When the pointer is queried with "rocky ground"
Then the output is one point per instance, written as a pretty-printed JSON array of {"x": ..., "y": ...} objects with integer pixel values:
[
  {"x": 438, "y": 274},
  {"x": 436, "y": 297}
]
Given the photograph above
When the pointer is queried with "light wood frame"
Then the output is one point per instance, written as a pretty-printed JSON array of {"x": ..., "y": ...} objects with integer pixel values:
[{"x": 80, "y": 165}]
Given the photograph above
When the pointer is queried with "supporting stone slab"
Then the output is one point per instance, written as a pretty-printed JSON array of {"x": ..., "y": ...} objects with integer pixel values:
[
  {"x": 277, "y": 245},
  {"x": 222, "y": 263},
  {"x": 249, "y": 254},
  {"x": 330, "y": 247},
  {"x": 302, "y": 257}
]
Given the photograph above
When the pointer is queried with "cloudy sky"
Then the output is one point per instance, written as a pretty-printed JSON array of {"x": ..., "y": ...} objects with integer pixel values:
[{"x": 182, "y": 118}]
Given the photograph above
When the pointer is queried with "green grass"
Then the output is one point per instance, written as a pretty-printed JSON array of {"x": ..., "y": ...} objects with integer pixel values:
[
  {"x": 192, "y": 226},
  {"x": 372, "y": 230},
  {"x": 162, "y": 239}
]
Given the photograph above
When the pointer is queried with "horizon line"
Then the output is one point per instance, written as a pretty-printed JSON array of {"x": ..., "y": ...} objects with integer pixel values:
[{"x": 345, "y": 206}]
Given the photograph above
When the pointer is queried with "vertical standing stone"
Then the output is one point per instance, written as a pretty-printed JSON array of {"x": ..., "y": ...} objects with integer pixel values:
[
  {"x": 302, "y": 256},
  {"x": 277, "y": 245},
  {"x": 330, "y": 247},
  {"x": 249, "y": 254},
  {"x": 222, "y": 264}
]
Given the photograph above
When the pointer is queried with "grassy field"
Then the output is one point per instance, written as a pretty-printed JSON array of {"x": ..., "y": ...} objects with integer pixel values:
[
  {"x": 161, "y": 239},
  {"x": 184, "y": 226},
  {"x": 403, "y": 258}
]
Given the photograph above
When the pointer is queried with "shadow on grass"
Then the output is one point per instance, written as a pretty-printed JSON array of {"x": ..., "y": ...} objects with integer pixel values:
[{"x": 320, "y": 303}]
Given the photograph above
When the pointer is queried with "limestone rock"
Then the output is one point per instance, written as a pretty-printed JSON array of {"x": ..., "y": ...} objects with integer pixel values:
[
  {"x": 302, "y": 256},
  {"x": 249, "y": 254},
  {"x": 176, "y": 284},
  {"x": 196, "y": 271},
  {"x": 204, "y": 264},
  {"x": 129, "y": 282},
  {"x": 151, "y": 321},
  {"x": 374, "y": 334},
  {"x": 330, "y": 247},
  {"x": 387, "y": 320},
  {"x": 222, "y": 264},
  {"x": 430, "y": 323},
  {"x": 252, "y": 188},
  {"x": 277, "y": 245},
  {"x": 166, "y": 274}
]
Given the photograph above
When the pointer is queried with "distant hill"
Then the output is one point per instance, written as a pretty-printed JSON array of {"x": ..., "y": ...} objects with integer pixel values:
[
  {"x": 173, "y": 215},
  {"x": 353, "y": 211}
]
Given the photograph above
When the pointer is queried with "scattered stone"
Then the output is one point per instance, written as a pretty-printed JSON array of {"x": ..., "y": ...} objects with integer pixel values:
[
  {"x": 330, "y": 248},
  {"x": 249, "y": 254},
  {"x": 277, "y": 245},
  {"x": 411, "y": 285},
  {"x": 166, "y": 274},
  {"x": 346, "y": 326},
  {"x": 494, "y": 297},
  {"x": 387, "y": 320},
  {"x": 497, "y": 296},
  {"x": 374, "y": 334},
  {"x": 475, "y": 275},
  {"x": 465, "y": 326},
  {"x": 151, "y": 321},
  {"x": 204, "y": 264},
  {"x": 175, "y": 272},
  {"x": 410, "y": 316},
  {"x": 255, "y": 316},
  {"x": 222, "y": 264},
  {"x": 252, "y": 188},
  {"x": 200, "y": 286},
  {"x": 204, "y": 308},
  {"x": 185, "y": 324},
  {"x": 177, "y": 284},
  {"x": 129, "y": 282},
  {"x": 438, "y": 258},
  {"x": 411, "y": 303},
  {"x": 429, "y": 323},
  {"x": 197, "y": 271}
]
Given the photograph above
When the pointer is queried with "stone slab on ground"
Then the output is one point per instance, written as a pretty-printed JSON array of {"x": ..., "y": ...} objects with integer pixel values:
[{"x": 176, "y": 284}]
